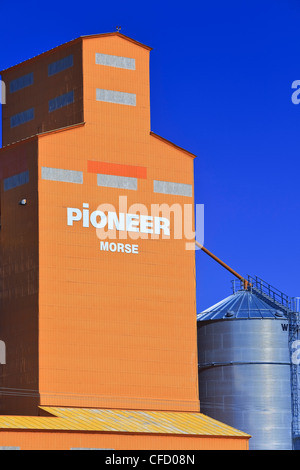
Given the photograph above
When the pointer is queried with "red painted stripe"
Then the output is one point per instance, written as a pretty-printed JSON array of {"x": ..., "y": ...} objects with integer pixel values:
[{"x": 117, "y": 169}]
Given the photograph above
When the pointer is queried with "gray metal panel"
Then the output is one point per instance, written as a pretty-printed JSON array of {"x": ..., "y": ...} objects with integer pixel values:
[
  {"x": 115, "y": 61},
  {"x": 244, "y": 378},
  {"x": 21, "y": 82},
  {"x": 178, "y": 189},
  {"x": 65, "y": 176},
  {"x": 9, "y": 448},
  {"x": 22, "y": 117},
  {"x": 118, "y": 97},
  {"x": 16, "y": 180},
  {"x": 112, "y": 181}
]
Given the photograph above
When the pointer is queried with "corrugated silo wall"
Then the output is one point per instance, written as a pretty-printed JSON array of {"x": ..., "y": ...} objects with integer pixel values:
[{"x": 244, "y": 378}]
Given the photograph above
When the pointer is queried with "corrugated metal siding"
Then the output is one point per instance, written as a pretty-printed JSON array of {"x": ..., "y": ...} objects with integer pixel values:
[
  {"x": 61, "y": 440},
  {"x": 103, "y": 420}
]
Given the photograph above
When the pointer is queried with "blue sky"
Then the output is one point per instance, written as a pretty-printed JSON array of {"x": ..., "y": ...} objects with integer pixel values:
[{"x": 221, "y": 76}]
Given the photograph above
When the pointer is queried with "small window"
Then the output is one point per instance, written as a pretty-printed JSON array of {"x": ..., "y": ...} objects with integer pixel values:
[
  {"x": 61, "y": 101},
  {"x": 21, "y": 82},
  {"x": 21, "y": 118},
  {"x": 16, "y": 180},
  {"x": 60, "y": 65}
]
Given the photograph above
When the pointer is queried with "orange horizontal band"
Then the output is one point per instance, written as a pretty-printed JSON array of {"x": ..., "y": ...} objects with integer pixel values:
[{"x": 117, "y": 169}]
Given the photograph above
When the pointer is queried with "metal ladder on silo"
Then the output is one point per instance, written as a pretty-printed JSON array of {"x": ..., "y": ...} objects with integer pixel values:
[{"x": 290, "y": 306}]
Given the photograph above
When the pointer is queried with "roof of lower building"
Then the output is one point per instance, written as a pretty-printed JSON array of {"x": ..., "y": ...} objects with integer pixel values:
[{"x": 122, "y": 421}]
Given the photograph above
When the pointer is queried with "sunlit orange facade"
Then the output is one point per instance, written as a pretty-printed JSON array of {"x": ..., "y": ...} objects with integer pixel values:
[{"x": 94, "y": 317}]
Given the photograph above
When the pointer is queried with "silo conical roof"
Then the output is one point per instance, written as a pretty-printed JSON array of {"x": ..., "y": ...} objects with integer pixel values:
[{"x": 243, "y": 304}]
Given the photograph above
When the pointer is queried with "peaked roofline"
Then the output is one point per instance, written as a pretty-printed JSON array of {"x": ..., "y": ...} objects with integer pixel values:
[
  {"x": 116, "y": 33},
  {"x": 172, "y": 144},
  {"x": 81, "y": 124},
  {"x": 74, "y": 41},
  {"x": 42, "y": 134}
]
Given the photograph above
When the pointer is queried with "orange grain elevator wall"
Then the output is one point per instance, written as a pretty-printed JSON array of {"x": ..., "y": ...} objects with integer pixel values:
[
  {"x": 116, "y": 318},
  {"x": 116, "y": 329}
]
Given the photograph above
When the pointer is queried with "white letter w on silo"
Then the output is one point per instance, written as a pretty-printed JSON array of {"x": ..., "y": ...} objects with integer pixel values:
[{"x": 2, "y": 353}]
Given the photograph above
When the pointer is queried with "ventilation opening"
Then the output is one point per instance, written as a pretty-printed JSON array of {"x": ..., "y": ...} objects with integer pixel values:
[{"x": 229, "y": 314}]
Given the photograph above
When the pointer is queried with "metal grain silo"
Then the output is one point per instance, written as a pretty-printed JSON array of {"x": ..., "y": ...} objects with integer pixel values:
[{"x": 244, "y": 368}]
